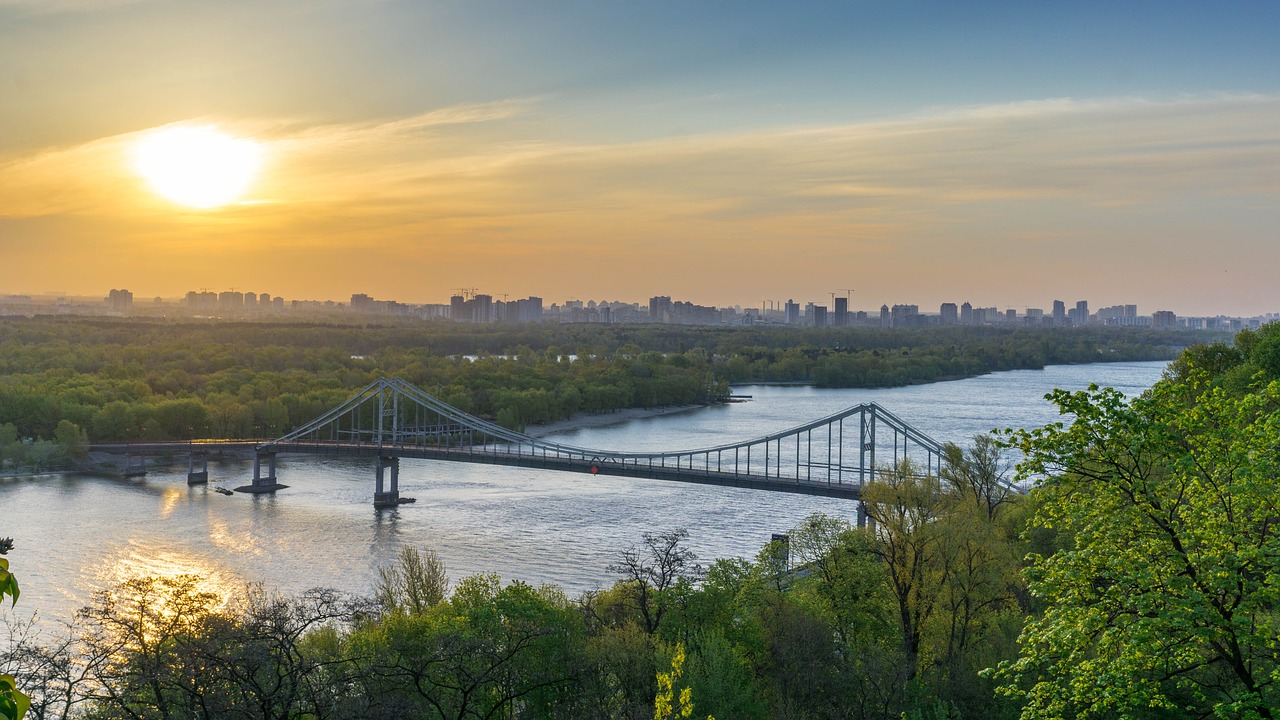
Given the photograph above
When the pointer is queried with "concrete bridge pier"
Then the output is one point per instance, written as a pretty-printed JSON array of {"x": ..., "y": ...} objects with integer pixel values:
[
  {"x": 132, "y": 469},
  {"x": 865, "y": 520},
  {"x": 381, "y": 496},
  {"x": 263, "y": 483},
  {"x": 194, "y": 476}
]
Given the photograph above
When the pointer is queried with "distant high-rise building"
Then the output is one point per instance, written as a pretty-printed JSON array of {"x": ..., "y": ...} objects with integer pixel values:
[
  {"x": 526, "y": 311},
  {"x": 1079, "y": 315},
  {"x": 885, "y": 320},
  {"x": 203, "y": 301},
  {"x": 904, "y": 316},
  {"x": 120, "y": 301},
  {"x": 1059, "y": 312},
  {"x": 791, "y": 312},
  {"x": 966, "y": 314},
  {"x": 947, "y": 314},
  {"x": 230, "y": 301},
  {"x": 1163, "y": 319},
  {"x": 842, "y": 312},
  {"x": 660, "y": 309},
  {"x": 819, "y": 315},
  {"x": 361, "y": 303},
  {"x": 483, "y": 312}
]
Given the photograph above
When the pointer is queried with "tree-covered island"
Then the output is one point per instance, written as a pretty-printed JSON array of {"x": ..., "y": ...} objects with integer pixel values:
[{"x": 68, "y": 380}]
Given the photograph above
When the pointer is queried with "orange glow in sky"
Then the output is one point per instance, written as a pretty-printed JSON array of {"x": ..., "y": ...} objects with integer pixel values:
[
  {"x": 1002, "y": 154},
  {"x": 199, "y": 167}
]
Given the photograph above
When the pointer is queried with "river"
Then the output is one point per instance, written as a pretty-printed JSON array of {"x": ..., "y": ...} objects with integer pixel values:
[{"x": 78, "y": 533}]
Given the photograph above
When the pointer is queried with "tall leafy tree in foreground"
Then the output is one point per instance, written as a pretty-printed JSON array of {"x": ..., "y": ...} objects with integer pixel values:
[
  {"x": 13, "y": 703},
  {"x": 1165, "y": 600}
]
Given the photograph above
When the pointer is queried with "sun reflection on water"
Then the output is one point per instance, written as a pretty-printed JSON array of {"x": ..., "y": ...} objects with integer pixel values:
[
  {"x": 137, "y": 560},
  {"x": 228, "y": 539},
  {"x": 170, "y": 497}
]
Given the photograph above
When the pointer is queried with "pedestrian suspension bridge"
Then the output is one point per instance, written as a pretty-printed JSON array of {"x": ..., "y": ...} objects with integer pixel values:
[{"x": 834, "y": 456}]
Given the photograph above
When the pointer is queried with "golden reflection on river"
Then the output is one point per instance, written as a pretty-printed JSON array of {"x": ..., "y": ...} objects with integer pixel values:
[
  {"x": 135, "y": 560},
  {"x": 170, "y": 497},
  {"x": 230, "y": 540}
]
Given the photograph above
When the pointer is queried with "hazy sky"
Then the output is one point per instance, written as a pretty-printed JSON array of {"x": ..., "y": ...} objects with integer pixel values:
[{"x": 1004, "y": 153}]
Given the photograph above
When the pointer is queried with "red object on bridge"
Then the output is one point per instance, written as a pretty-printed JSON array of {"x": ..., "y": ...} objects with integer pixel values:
[{"x": 594, "y": 469}]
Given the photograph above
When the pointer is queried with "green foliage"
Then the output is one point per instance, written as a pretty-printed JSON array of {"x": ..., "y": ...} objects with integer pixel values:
[
  {"x": 1163, "y": 601},
  {"x": 671, "y": 703},
  {"x": 139, "y": 379},
  {"x": 13, "y": 704},
  {"x": 8, "y": 583},
  {"x": 415, "y": 583}
]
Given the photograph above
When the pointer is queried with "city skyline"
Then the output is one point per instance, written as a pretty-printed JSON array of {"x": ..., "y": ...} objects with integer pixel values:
[
  {"x": 725, "y": 152},
  {"x": 472, "y": 305}
]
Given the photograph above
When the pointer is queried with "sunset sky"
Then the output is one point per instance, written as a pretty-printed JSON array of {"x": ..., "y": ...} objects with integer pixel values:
[{"x": 1003, "y": 153}]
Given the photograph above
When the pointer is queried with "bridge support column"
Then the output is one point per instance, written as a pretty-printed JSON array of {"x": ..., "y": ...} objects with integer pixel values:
[
  {"x": 381, "y": 496},
  {"x": 865, "y": 520},
  {"x": 194, "y": 476},
  {"x": 261, "y": 483},
  {"x": 135, "y": 470}
]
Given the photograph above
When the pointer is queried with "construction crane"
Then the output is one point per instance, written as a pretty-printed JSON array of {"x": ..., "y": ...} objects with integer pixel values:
[{"x": 467, "y": 293}]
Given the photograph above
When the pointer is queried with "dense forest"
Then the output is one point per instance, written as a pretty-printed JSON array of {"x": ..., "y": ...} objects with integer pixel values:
[
  {"x": 1137, "y": 579},
  {"x": 67, "y": 380}
]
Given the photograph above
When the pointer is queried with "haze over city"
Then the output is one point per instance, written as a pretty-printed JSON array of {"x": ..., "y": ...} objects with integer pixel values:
[{"x": 721, "y": 152}]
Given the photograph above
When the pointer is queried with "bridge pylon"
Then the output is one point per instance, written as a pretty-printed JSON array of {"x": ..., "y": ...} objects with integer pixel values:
[
  {"x": 263, "y": 483},
  {"x": 132, "y": 469},
  {"x": 381, "y": 496},
  {"x": 194, "y": 476}
]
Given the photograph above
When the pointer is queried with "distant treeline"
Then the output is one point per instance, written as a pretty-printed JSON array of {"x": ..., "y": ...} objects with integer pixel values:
[{"x": 126, "y": 379}]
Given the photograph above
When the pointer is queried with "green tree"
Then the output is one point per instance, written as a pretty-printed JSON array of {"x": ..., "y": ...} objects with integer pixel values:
[
  {"x": 1164, "y": 602},
  {"x": 13, "y": 703},
  {"x": 482, "y": 652},
  {"x": 70, "y": 437},
  {"x": 912, "y": 542},
  {"x": 416, "y": 582},
  {"x": 655, "y": 572},
  {"x": 670, "y": 703}
]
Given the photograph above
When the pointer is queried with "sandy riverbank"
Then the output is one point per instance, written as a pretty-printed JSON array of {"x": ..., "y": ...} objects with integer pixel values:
[{"x": 586, "y": 420}]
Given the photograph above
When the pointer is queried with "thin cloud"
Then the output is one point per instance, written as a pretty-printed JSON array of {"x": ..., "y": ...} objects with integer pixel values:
[
  {"x": 478, "y": 169},
  {"x": 51, "y": 7}
]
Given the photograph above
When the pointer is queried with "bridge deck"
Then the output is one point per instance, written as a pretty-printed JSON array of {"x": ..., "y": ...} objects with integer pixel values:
[
  {"x": 490, "y": 456},
  {"x": 831, "y": 456}
]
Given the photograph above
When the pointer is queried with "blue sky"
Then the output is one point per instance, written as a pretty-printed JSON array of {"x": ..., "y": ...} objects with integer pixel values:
[{"x": 638, "y": 125}]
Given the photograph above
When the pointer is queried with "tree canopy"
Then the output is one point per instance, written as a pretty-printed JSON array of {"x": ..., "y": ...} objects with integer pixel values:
[{"x": 1163, "y": 599}]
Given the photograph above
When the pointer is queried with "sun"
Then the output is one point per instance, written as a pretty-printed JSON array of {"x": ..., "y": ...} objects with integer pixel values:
[{"x": 199, "y": 167}]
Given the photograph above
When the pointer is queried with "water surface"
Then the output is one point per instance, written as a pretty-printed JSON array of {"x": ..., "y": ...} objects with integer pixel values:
[{"x": 75, "y": 534}]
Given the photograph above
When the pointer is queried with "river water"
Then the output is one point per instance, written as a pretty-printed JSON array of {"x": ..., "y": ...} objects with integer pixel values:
[{"x": 78, "y": 533}]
